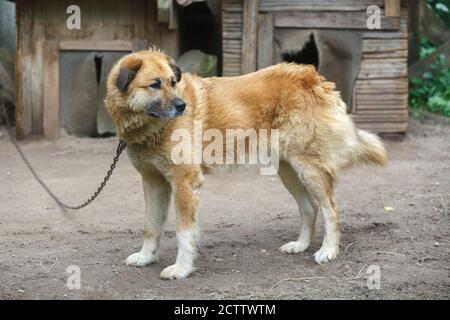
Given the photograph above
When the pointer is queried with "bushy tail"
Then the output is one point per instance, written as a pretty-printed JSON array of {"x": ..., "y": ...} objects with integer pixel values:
[{"x": 371, "y": 149}]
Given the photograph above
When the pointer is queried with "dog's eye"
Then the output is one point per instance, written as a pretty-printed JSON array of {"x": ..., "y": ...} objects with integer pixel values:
[
  {"x": 173, "y": 83},
  {"x": 156, "y": 85}
]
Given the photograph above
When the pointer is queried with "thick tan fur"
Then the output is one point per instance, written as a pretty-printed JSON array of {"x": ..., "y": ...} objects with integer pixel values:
[{"x": 317, "y": 140}]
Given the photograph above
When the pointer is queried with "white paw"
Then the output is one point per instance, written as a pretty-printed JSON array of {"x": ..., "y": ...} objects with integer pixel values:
[
  {"x": 326, "y": 253},
  {"x": 176, "y": 272},
  {"x": 141, "y": 259},
  {"x": 294, "y": 247}
]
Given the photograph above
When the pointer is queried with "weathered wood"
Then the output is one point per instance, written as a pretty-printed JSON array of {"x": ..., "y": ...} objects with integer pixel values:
[
  {"x": 384, "y": 45},
  {"x": 168, "y": 41},
  {"x": 387, "y": 48},
  {"x": 249, "y": 35},
  {"x": 382, "y": 68},
  {"x": 265, "y": 40},
  {"x": 138, "y": 45},
  {"x": 331, "y": 19},
  {"x": 28, "y": 71},
  {"x": 377, "y": 86},
  {"x": 22, "y": 109},
  {"x": 382, "y": 127},
  {"x": 51, "y": 128},
  {"x": 231, "y": 37},
  {"x": 314, "y": 5},
  {"x": 93, "y": 45},
  {"x": 392, "y": 8}
]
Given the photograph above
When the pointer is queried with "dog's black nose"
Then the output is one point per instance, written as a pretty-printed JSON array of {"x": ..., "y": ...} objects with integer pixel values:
[{"x": 180, "y": 105}]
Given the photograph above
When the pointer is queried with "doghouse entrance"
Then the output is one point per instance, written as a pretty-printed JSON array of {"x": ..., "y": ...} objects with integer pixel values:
[
  {"x": 82, "y": 77},
  {"x": 307, "y": 55}
]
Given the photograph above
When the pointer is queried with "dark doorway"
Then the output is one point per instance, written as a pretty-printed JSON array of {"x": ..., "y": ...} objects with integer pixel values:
[{"x": 307, "y": 55}]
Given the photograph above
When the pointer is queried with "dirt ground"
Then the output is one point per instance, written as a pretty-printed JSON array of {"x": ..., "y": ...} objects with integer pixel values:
[{"x": 245, "y": 218}]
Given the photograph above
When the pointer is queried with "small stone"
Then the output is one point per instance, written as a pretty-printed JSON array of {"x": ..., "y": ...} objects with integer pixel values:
[
  {"x": 20, "y": 291},
  {"x": 436, "y": 244}
]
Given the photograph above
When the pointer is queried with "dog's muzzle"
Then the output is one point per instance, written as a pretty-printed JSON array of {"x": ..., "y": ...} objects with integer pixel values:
[{"x": 176, "y": 109}]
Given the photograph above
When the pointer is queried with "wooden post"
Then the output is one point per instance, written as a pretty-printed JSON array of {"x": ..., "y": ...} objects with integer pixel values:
[
  {"x": 249, "y": 35},
  {"x": 265, "y": 40},
  {"x": 51, "y": 90},
  {"x": 392, "y": 8}
]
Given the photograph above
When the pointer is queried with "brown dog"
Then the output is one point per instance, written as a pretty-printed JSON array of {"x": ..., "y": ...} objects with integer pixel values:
[{"x": 150, "y": 102}]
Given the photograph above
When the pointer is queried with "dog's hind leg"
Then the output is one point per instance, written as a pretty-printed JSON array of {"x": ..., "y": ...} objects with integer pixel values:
[
  {"x": 307, "y": 209},
  {"x": 157, "y": 194},
  {"x": 319, "y": 183}
]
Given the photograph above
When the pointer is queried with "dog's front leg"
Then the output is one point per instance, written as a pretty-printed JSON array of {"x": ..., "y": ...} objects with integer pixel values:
[
  {"x": 157, "y": 192},
  {"x": 186, "y": 203}
]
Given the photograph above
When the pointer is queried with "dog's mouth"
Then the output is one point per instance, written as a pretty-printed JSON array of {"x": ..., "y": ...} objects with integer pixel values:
[
  {"x": 164, "y": 115},
  {"x": 153, "y": 114}
]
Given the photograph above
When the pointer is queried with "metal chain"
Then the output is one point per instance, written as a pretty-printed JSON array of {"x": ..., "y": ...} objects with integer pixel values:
[{"x": 120, "y": 147}]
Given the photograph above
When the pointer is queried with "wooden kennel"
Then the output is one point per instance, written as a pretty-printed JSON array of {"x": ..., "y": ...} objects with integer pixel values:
[{"x": 380, "y": 90}]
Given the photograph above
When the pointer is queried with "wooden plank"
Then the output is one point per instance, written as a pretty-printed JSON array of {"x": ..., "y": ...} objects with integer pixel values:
[
  {"x": 382, "y": 127},
  {"x": 331, "y": 20},
  {"x": 231, "y": 37},
  {"x": 139, "y": 45},
  {"x": 91, "y": 45},
  {"x": 232, "y": 34},
  {"x": 22, "y": 111},
  {"x": 382, "y": 68},
  {"x": 385, "y": 48},
  {"x": 51, "y": 128},
  {"x": 249, "y": 35},
  {"x": 265, "y": 40},
  {"x": 314, "y": 5},
  {"x": 152, "y": 25},
  {"x": 377, "y": 86},
  {"x": 384, "y": 45},
  {"x": 392, "y": 8},
  {"x": 28, "y": 102},
  {"x": 169, "y": 41}
]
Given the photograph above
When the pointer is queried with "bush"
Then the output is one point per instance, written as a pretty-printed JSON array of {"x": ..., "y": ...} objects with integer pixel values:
[{"x": 431, "y": 92}]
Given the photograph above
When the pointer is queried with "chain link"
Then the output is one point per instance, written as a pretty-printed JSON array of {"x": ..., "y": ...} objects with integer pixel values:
[{"x": 120, "y": 147}]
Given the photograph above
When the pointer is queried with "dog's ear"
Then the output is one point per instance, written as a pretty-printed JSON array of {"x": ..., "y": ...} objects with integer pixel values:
[
  {"x": 127, "y": 71},
  {"x": 175, "y": 68}
]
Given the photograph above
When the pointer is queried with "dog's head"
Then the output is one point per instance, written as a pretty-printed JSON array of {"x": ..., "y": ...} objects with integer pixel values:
[{"x": 145, "y": 83}]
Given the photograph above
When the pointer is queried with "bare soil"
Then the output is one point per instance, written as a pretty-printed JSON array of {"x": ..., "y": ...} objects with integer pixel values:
[{"x": 245, "y": 218}]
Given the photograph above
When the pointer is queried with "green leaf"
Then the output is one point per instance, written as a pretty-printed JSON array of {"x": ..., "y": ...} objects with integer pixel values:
[
  {"x": 427, "y": 75},
  {"x": 442, "y": 7}
]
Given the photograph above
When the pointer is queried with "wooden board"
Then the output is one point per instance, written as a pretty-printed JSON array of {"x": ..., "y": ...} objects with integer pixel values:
[
  {"x": 331, "y": 20},
  {"x": 314, "y": 5},
  {"x": 265, "y": 40},
  {"x": 249, "y": 35},
  {"x": 392, "y": 8},
  {"x": 231, "y": 37},
  {"x": 92, "y": 45},
  {"x": 51, "y": 128}
]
